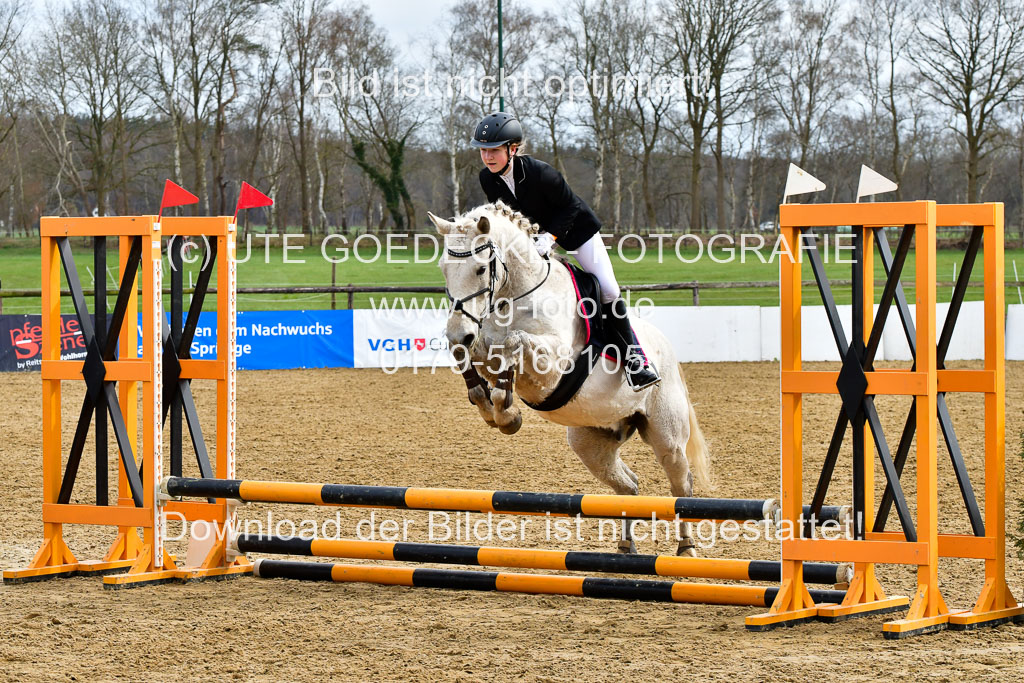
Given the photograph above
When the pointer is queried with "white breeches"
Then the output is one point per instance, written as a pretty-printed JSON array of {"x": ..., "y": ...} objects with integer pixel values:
[{"x": 593, "y": 258}]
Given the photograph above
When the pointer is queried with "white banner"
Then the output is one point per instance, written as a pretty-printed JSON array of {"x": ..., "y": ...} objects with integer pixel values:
[
  {"x": 400, "y": 339},
  {"x": 708, "y": 334},
  {"x": 1015, "y": 332},
  {"x": 699, "y": 334}
]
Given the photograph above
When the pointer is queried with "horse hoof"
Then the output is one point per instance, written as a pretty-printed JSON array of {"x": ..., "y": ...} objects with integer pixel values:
[
  {"x": 513, "y": 426},
  {"x": 627, "y": 547},
  {"x": 689, "y": 551}
]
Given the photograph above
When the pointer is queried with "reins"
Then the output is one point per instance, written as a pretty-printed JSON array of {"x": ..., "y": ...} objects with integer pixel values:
[{"x": 458, "y": 304}]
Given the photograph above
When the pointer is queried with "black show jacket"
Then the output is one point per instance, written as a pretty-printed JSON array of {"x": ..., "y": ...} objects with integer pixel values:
[{"x": 543, "y": 196}]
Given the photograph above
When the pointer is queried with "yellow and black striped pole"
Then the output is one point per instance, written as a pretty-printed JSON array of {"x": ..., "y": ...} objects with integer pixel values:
[
  {"x": 529, "y": 558},
  {"x": 470, "y": 500},
  {"x": 581, "y": 586}
]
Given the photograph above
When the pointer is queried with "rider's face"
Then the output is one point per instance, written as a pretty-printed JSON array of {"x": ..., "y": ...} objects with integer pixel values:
[{"x": 495, "y": 159}]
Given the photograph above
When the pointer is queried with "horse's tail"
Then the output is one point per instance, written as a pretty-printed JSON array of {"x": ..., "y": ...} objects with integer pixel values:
[{"x": 696, "y": 447}]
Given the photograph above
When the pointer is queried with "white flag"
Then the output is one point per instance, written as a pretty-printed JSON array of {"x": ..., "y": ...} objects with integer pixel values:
[
  {"x": 800, "y": 182},
  {"x": 873, "y": 182}
]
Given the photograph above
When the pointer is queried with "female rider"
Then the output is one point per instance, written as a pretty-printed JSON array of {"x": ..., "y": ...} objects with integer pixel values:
[{"x": 540, "y": 193}]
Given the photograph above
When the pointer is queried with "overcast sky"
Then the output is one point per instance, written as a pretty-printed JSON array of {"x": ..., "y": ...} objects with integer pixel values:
[{"x": 409, "y": 20}]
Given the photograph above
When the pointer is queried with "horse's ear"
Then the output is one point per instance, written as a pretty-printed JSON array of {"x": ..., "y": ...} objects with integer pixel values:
[
  {"x": 483, "y": 225},
  {"x": 443, "y": 226}
]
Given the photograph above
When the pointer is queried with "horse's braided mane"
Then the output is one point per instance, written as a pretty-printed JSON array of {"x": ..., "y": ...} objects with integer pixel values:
[{"x": 517, "y": 219}]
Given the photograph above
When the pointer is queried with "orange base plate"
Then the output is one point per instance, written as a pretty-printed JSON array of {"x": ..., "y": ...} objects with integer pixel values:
[
  {"x": 770, "y": 620},
  {"x": 833, "y": 613},
  {"x": 64, "y": 570},
  {"x": 179, "y": 575},
  {"x": 907, "y": 628},
  {"x": 968, "y": 621}
]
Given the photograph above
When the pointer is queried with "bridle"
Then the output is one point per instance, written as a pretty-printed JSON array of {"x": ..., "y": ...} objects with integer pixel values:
[{"x": 492, "y": 277}]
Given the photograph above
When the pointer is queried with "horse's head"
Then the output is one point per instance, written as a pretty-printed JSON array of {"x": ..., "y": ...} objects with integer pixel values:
[{"x": 475, "y": 265}]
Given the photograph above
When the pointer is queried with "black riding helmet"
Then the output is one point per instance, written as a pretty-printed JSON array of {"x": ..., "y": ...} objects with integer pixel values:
[{"x": 497, "y": 130}]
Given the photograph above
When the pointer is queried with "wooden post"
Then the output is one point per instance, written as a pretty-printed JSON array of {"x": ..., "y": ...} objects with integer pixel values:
[{"x": 334, "y": 274}]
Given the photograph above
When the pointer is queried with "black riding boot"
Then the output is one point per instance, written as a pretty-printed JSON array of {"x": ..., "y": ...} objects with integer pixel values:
[{"x": 640, "y": 372}]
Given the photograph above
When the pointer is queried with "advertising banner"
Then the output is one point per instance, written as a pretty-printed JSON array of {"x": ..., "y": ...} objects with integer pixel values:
[
  {"x": 264, "y": 340},
  {"x": 269, "y": 340},
  {"x": 21, "y": 339},
  {"x": 400, "y": 339},
  {"x": 416, "y": 338}
]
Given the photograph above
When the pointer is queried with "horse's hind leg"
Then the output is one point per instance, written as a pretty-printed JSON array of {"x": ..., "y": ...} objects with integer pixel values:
[
  {"x": 666, "y": 431},
  {"x": 598, "y": 448},
  {"x": 629, "y": 473}
]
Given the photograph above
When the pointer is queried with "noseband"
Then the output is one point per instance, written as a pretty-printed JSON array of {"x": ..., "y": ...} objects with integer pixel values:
[{"x": 458, "y": 305}]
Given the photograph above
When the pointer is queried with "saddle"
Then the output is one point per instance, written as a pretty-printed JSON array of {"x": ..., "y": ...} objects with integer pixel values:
[{"x": 599, "y": 340}]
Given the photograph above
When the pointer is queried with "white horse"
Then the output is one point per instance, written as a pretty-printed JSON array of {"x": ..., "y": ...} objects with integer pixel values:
[{"x": 514, "y": 310}]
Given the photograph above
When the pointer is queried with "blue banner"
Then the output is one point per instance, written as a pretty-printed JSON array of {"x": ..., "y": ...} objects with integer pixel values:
[
  {"x": 277, "y": 340},
  {"x": 265, "y": 340}
]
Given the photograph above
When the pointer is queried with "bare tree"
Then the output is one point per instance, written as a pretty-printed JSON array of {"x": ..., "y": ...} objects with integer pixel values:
[
  {"x": 378, "y": 118},
  {"x": 305, "y": 29},
  {"x": 594, "y": 31},
  {"x": 320, "y": 158},
  {"x": 1018, "y": 144},
  {"x": 757, "y": 126},
  {"x": 642, "y": 59},
  {"x": 738, "y": 21},
  {"x": 233, "y": 48},
  {"x": 200, "y": 19},
  {"x": 710, "y": 38},
  {"x": 464, "y": 56},
  {"x": 690, "y": 28},
  {"x": 971, "y": 54},
  {"x": 10, "y": 109},
  {"x": 90, "y": 67},
  {"x": 812, "y": 74},
  {"x": 164, "y": 48},
  {"x": 271, "y": 159},
  {"x": 477, "y": 24},
  {"x": 51, "y": 104},
  {"x": 10, "y": 31},
  {"x": 451, "y": 64},
  {"x": 883, "y": 29},
  {"x": 108, "y": 96},
  {"x": 545, "y": 105},
  {"x": 262, "y": 110},
  {"x": 193, "y": 53}
]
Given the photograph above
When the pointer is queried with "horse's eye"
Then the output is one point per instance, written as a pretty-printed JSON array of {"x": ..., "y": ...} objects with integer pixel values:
[{"x": 481, "y": 270}]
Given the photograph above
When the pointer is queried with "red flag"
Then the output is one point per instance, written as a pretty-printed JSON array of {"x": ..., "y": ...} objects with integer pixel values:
[
  {"x": 175, "y": 195},
  {"x": 249, "y": 198}
]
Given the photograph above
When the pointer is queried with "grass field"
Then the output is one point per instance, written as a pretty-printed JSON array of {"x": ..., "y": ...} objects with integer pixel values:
[{"x": 306, "y": 265}]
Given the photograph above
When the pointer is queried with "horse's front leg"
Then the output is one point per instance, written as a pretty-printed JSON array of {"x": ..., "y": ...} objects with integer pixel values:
[
  {"x": 506, "y": 414},
  {"x": 479, "y": 393},
  {"x": 530, "y": 354}
]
